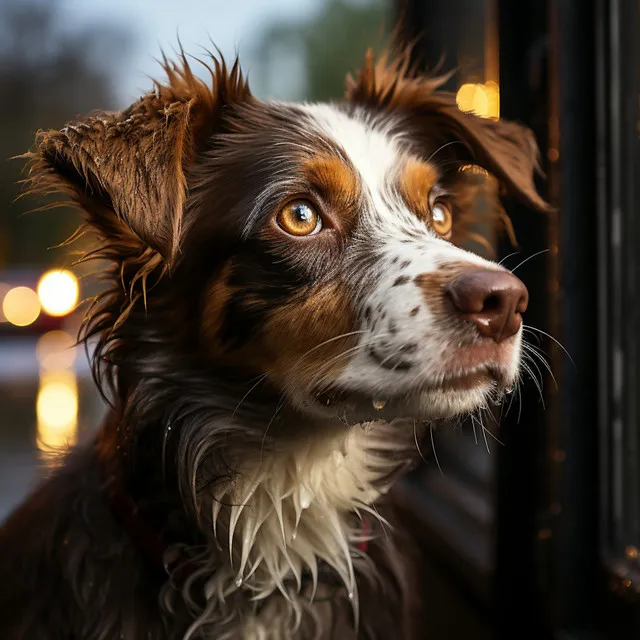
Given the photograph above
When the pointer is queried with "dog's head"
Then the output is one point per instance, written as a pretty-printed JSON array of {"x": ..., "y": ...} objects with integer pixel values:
[{"x": 315, "y": 245}]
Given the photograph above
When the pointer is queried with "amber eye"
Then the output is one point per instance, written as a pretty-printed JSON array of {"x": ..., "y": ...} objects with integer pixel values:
[
  {"x": 442, "y": 218},
  {"x": 299, "y": 218}
]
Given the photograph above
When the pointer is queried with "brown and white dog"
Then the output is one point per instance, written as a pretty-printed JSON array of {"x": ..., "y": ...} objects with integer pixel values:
[{"x": 287, "y": 308}]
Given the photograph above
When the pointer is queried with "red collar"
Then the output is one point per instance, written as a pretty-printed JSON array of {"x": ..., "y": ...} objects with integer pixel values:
[{"x": 363, "y": 545}]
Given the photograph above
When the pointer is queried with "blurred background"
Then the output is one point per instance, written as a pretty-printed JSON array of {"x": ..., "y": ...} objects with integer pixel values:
[{"x": 530, "y": 523}]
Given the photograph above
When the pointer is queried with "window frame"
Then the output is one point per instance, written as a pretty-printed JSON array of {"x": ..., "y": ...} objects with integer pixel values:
[{"x": 569, "y": 70}]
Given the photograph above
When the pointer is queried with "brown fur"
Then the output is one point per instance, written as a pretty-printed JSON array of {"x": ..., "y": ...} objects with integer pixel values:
[
  {"x": 197, "y": 304},
  {"x": 505, "y": 148},
  {"x": 416, "y": 181},
  {"x": 299, "y": 328},
  {"x": 337, "y": 183},
  {"x": 434, "y": 284}
]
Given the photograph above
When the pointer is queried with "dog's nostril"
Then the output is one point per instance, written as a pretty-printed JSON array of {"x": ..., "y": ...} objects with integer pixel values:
[
  {"x": 491, "y": 299},
  {"x": 492, "y": 303}
]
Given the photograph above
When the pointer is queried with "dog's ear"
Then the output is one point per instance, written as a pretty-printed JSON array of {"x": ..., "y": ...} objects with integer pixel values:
[
  {"x": 506, "y": 149},
  {"x": 128, "y": 170}
]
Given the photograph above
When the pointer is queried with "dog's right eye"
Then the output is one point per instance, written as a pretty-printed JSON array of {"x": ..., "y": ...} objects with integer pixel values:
[
  {"x": 442, "y": 218},
  {"x": 299, "y": 218}
]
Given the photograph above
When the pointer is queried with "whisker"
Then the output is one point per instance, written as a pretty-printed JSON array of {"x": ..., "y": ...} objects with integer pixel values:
[
  {"x": 444, "y": 146},
  {"x": 493, "y": 435},
  {"x": 273, "y": 417},
  {"x": 528, "y": 327},
  {"x": 484, "y": 435},
  {"x": 537, "y": 353},
  {"x": 537, "y": 338},
  {"x": 475, "y": 433},
  {"x": 415, "y": 438},
  {"x": 362, "y": 345},
  {"x": 508, "y": 256},
  {"x": 433, "y": 447},
  {"x": 519, "y": 400},
  {"x": 484, "y": 431},
  {"x": 390, "y": 356},
  {"x": 528, "y": 358},
  {"x": 474, "y": 419},
  {"x": 535, "y": 255},
  {"x": 325, "y": 342},
  {"x": 246, "y": 395},
  {"x": 526, "y": 367}
]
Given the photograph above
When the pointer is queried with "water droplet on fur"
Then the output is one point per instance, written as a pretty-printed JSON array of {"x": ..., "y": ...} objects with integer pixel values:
[
  {"x": 350, "y": 595},
  {"x": 305, "y": 498},
  {"x": 379, "y": 404},
  {"x": 294, "y": 535},
  {"x": 239, "y": 582}
]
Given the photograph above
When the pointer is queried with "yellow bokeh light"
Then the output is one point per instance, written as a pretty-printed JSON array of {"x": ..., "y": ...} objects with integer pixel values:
[
  {"x": 56, "y": 350},
  {"x": 493, "y": 99},
  {"x": 58, "y": 292},
  {"x": 4, "y": 288},
  {"x": 57, "y": 409},
  {"x": 481, "y": 99},
  {"x": 20, "y": 306}
]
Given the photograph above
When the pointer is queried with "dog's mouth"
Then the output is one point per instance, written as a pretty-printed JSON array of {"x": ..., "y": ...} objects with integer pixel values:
[
  {"x": 445, "y": 396},
  {"x": 454, "y": 382},
  {"x": 469, "y": 380}
]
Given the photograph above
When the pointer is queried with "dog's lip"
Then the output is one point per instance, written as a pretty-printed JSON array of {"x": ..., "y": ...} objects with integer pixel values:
[
  {"x": 481, "y": 354},
  {"x": 457, "y": 381},
  {"x": 466, "y": 380}
]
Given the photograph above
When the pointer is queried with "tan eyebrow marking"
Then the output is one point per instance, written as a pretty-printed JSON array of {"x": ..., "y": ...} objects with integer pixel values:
[
  {"x": 336, "y": 180},
  {"x": 415, "y": 181}
]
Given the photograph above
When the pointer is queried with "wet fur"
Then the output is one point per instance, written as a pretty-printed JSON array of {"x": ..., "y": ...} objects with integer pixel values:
[{"x": 196, "y": 339}]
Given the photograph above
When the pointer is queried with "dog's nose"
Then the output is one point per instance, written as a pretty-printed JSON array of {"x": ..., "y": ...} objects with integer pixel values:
[{"x": 493, "y": 300}]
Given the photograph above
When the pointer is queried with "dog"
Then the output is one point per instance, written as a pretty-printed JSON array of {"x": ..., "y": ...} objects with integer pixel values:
[{"x": 288, "y": 307}]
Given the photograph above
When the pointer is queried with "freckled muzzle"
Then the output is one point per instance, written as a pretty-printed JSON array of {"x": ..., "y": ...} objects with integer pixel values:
[{"x": 433, "y": 344}]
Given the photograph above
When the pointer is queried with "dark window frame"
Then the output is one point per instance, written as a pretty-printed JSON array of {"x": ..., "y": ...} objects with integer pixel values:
[
  {"x": 569, "y": 70},
  {"x": 618, "y": 73}
]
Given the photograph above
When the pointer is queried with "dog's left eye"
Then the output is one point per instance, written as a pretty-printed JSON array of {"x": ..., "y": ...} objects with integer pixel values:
[
  {"x": 299, "y": 218},
  {"x": 442, "y": 218}
]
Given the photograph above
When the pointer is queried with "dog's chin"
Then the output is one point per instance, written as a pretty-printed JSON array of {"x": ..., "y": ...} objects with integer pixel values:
[{"x": 437, "y": 400}]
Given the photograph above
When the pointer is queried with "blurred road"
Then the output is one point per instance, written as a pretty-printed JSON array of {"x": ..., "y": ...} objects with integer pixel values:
[{"x": 40, "y": 410}]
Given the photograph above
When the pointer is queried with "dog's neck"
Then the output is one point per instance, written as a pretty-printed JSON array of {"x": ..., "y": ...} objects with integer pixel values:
[
  {"x": 287, "y": 511},
  {"x": 290, "y": 507}
]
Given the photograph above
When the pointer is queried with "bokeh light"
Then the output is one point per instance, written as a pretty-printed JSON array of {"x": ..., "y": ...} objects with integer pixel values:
[
  {"x": 4, "y": 288},
  {"x": 21, "y": 306},
  {"x": 58, "y": 292},
  {"x": 481, "y": 99},
  {"x": 56, "y": 350},
  {"x": 57, "y": 409}
]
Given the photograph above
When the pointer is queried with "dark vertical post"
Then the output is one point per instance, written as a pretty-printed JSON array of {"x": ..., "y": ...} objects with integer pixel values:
[
  {"x": 521, "y": 473},
  {"x": 575, "y": 547}
]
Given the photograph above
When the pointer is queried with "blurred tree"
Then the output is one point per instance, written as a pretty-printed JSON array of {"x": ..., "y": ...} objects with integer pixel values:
[
  {"x": 49, "y": 73},
  {"x": 309, "y": 59}
]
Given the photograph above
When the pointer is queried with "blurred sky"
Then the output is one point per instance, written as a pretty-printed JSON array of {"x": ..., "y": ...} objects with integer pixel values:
[{"x": 154, "y": 24}]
